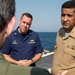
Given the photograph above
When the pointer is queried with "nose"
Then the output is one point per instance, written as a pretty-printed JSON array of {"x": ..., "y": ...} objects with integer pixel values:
[
  {"x": 65, "y": 18},
  {"x": 25, "y": 24}
]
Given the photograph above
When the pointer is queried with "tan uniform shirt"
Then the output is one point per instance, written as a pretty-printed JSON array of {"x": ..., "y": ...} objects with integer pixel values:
[{"x": 64, "y": 55}]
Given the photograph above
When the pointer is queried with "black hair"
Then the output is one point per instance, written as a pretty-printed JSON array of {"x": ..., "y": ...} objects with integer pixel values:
[
  {"x": 28, "y": 15},
  {"x": 69, "y": 4},
  {"x": 7, "y": 11}
]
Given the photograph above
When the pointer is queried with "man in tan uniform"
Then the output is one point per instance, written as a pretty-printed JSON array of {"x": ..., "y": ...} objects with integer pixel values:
[{"x": 64, "y": 55}]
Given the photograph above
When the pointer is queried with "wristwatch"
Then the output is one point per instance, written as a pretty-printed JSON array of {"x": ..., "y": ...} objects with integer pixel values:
[{"x": 32, "y": 60}]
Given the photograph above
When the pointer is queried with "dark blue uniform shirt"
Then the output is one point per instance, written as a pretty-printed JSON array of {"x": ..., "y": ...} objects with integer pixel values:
[{"x": 21, "y": 47}]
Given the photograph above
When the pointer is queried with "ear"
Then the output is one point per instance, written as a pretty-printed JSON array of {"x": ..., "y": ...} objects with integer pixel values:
[{"x": 10, "y": 26}]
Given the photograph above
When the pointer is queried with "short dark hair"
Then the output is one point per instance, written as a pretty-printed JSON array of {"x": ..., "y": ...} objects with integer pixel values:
[
  {"x": 7, "y": 11},
  {"x": 69, "y": 4},
  {"x": 28, "y": 15}
]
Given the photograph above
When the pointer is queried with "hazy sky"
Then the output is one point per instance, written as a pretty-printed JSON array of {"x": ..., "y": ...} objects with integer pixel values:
[{"x": 46, "y": 14}]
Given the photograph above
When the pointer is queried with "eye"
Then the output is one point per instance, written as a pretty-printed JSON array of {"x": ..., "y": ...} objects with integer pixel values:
[
  {"x": 26, "y": 23},
  {"x": 62, "y": 15},
  {"x": 69, "y": 15}
]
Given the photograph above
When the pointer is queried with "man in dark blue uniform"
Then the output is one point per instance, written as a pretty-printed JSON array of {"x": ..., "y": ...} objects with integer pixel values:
[{"x": 23, "y": 45}]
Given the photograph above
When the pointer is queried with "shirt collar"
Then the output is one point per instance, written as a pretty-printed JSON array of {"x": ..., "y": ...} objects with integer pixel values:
[
  {"x": 62, "y": 32},
  {"x": 28, "y": 33},
  {"x": 72, "y": 33}
]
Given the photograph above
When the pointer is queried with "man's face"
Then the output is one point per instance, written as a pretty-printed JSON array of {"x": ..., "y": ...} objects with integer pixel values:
[
  {"x": 68, "y": 18},
  {"x": 25, "y": 24}
]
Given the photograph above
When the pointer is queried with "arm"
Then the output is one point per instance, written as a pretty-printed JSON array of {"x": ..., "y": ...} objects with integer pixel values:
[
  {"x": 9, "y": 59},
  {"x": 63, "y": 73},
  {"x": 36, "y": 57}
]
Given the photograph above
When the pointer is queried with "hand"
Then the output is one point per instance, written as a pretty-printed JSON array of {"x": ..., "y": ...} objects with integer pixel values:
[
  {"x": 63, "y": 73},
  {"x": 24, "y": 62}
]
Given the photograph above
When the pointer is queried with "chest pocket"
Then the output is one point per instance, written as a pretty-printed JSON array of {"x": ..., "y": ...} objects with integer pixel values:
[
  {"x": 70, "y": 50},
  {"x": 31, "y": 46},
  {"x": 16, "y": 47},
  {"x": 69, "y": 55}
]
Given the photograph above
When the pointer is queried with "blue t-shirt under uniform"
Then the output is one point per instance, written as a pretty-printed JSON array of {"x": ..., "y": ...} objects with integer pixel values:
[{"x": 21, "y": 47}]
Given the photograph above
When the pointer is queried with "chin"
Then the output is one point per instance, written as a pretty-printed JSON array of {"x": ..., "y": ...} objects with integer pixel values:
[{"x": 66, "y": 27}]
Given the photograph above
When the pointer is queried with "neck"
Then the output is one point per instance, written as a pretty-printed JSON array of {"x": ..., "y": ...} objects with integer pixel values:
[
  {"x": 21, "y": 31},
  {"x": 68, "y": 30}
]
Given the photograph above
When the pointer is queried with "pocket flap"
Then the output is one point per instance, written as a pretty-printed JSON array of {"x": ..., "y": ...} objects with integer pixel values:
[{"x": 70, "y": 50}]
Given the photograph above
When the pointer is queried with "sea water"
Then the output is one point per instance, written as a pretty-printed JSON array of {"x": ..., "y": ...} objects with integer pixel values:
[{"x": 48, "y": 40}]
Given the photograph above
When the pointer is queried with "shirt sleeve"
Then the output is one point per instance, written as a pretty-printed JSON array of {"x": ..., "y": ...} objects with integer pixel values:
[
  {"x": 6, "y": 48},
  {"x": 39, "y": 48}
]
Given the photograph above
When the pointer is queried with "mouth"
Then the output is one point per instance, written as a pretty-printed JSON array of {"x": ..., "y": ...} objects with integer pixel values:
[{"x": 65, "y": 24}]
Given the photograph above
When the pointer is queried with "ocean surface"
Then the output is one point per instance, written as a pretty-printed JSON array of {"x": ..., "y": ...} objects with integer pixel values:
[{"x": 48, "y": 40}]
